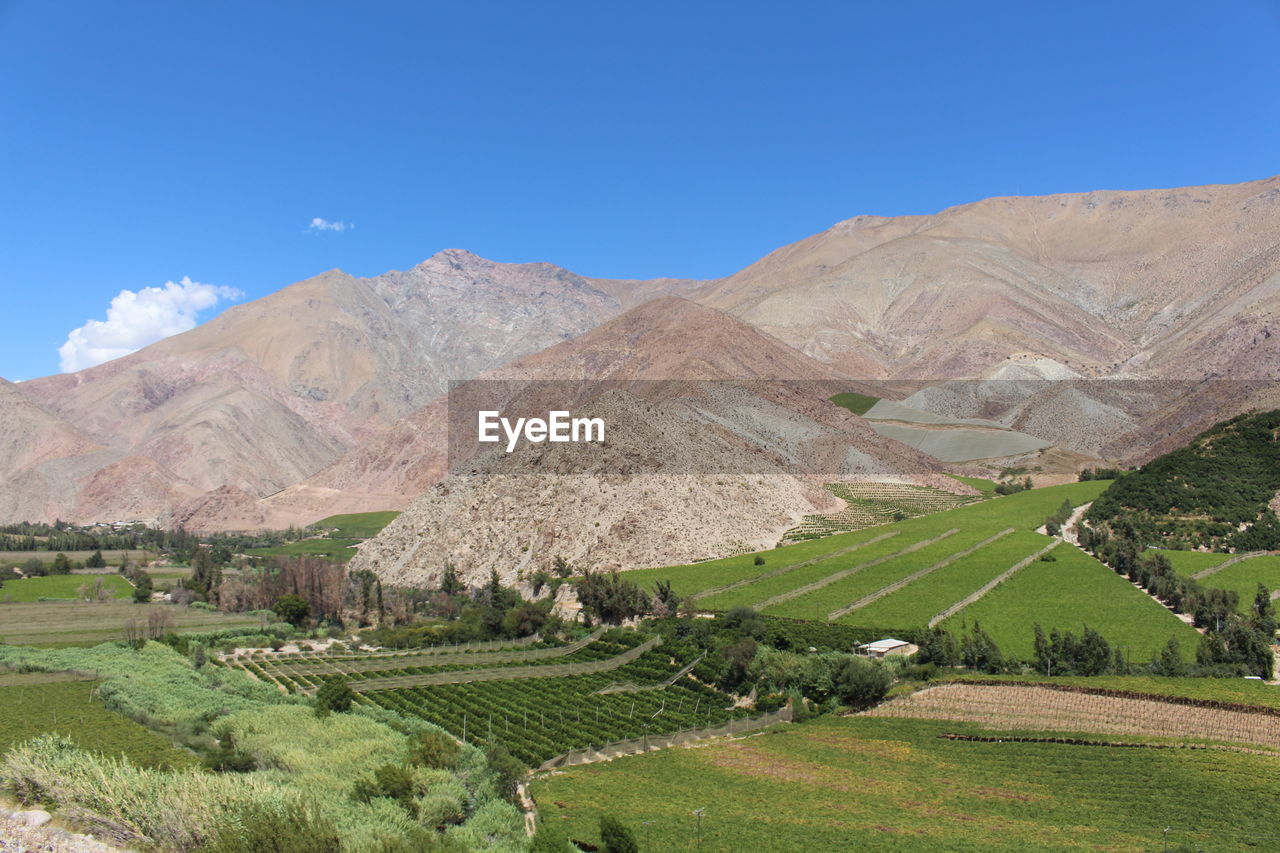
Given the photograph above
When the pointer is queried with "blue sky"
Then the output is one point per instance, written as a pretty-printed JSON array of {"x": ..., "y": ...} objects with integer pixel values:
[{"x": 141, "y": 143}]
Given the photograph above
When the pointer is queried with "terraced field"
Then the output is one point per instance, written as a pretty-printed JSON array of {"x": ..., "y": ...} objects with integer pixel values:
[
  {"x": 953, "y": 567},
  {"x": 379, "y": 672},
  {"x": 1193, "y": 562},
  {"x": 950, "y": 584},
  {"x": 1243, "y": 577},
  {"x": 871, "y": 504},
  {"x": 539, "y": 718},
  {"x": 1069, "y": 593}
]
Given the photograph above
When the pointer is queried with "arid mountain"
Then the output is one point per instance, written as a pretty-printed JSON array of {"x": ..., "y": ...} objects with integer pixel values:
[
  {"x": 694, "y": 466},
  {"x": 320, "y": 396},
  {"x": 272, "y": 391},
  {"x": 1167, "y": 283},
  {"x": 668, "y": 338}
]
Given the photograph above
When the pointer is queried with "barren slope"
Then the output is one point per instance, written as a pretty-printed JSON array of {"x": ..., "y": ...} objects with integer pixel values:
[{"x": 272, "y": 391}]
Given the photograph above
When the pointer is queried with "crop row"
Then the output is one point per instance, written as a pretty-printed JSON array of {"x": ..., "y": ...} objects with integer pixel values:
[
  {"x": 537, "y": 719},
  {"x": 593, "y": 648}
]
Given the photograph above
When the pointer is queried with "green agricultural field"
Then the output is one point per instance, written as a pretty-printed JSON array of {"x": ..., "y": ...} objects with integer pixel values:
[
  {"x": 539, "y": 718},
  {"x": 1067, "y": 594},
  {"x": 698, "y": 577},
  {"x": 17, "y": 558},
  {"x": 61, "y": 586},
  {"x": 918, "y": 602},
  {"x": 71, "y": 708},
  {"x": 859, "y": 404},
  {"x": 1242, "y": 578},
  {"x": 755, "y": 594},
  {"x": 1022, "y": 511},
  {"x": 334, "y": 549},
  {"x": 1190, "y": 562},
  {"x": 1072, "y": 590},
  {"x": 987, "y": 487},
  {"x": 816, "y": 605},
  {"x": 357, "y": 525},
  {"x": 77, "y": 623},
  {"x": 859, "y": 783}
]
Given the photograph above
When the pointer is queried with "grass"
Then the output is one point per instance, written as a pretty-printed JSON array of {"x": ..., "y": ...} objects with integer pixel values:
[
  {"x": 335, "y": 549},
  {"x": 1067, "y": 594},
  {"x": 77, "y": 623},
  {"x": 357, "y": 525},
  {"x": 860, "y": 783},
  {"x": 71, "y": 708},
  {"x": 60, "y": 586},
  {"x": 859, "y": 404}
]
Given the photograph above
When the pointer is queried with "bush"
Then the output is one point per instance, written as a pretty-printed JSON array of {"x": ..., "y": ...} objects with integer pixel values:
[
  {"x": 615, "y": 837},
  {"x": 860, "y": 682},
  {"x": 265, "y": 829},
  {"x": 434, "y": 750},
  {"x": 292, "y": 609},
  {"x": 759, "y": 561},
  {"x": 507, "y": 770},
  {"x": 334, "y": 695}
]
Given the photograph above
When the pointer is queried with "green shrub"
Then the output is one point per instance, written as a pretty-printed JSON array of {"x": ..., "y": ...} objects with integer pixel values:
[
  {"x": 615, "y": 837},
  {"x": 507, "y": 770},
  {"x": 263, "y": 828},
  {"x": 334, "y": 695},
  {"x": 435, "y": 750},
  {"x": 860, "y": 682}
]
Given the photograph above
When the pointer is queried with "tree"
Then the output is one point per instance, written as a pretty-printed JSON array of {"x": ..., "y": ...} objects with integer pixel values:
[
  {"x": 96, "y": 560},
  {"x": 1170, "y": 660},
  {"x": 449, "y": 582},
  {"x": 561, "y": 567},
  {"x": 61, "y": 565},
  {"x": 1264, "y": 613},
  {"x": 860, "y": 682},
  {"x": 550, "y": 839},
  {"x": 34, "y": 567},
  {"x": 142, "y": 588},
  {"x": 615, "y": 837},
  {"x": 507, "y": 772},
  {"x": 611, "y": 598},
  {"x": 334, "y": 695},
  {"x": 292, "y": 609}
]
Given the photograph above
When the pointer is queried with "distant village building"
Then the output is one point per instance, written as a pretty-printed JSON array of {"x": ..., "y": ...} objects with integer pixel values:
[{"x": 889, "y": 646}]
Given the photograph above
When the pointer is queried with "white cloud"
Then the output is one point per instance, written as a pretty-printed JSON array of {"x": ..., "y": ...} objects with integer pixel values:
[
  {"x": 135, "y": 320},
  {"x": 318, "y": 224}
]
